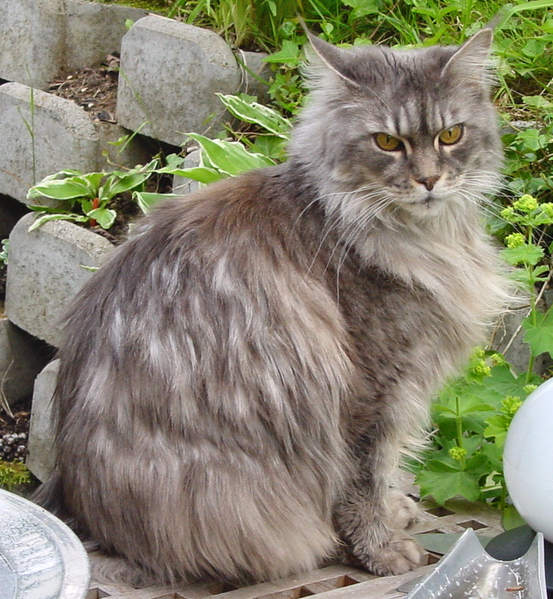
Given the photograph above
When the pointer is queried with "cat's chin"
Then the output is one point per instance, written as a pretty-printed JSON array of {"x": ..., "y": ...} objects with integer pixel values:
[{"x": 426, "y": 207}]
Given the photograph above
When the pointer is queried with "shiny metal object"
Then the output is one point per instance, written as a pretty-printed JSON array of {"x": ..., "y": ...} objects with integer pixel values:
[
  {"x": 468, "y": 572},
  {"x": 40, "y": 557}
]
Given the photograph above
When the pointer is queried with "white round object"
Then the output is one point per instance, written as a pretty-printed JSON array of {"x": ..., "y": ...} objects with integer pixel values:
[
  {"x": 40, "y": 557},
  {"x": 528, "y": 460}
]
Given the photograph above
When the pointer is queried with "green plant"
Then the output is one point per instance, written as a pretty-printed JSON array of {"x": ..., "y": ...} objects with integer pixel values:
[
  {"x": 471, "y": 417},
  {"x": 529, "y": 148},
  {"x": 472, "y": 414},
  {"x": 244, "y": 23},
  {"x": 13, "y": 474},
  {"x": 86, "y": 197},
  {"x": 261, "y": 146},
  {"x": 5, "y": 251}
]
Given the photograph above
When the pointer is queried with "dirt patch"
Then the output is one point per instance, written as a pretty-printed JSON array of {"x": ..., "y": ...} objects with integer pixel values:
[{"x": 94, "y": 89}]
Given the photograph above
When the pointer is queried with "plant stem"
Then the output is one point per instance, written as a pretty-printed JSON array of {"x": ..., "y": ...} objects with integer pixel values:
[{"x": 459, "y": 425}]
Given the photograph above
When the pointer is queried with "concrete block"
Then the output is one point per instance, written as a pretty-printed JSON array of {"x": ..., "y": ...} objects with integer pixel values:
[
  {"x": 94, "y": 30},
  {"x": 45, "y": 270},
  {"x": 41, "y": 38},
  {"x": 20, "y": 361},
  {"x": 41, "y": 134},
  {"x": 169, "y": 75},
  {"x": 32, "y": 44},
  {"x": 40, "y": 448}
]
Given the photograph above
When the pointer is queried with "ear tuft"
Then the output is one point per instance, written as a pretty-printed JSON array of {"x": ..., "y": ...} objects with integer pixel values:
[
  {"x": 469, "y": 64},
  {"x": 333, "y": 58}
]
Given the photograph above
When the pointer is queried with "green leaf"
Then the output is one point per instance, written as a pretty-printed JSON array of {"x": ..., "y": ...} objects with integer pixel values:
[
  {"x": 534, "y": 47},
  {"x": 257, "y": 114},
  {"x": 230, "y": 157},
  {"x": 446, "y": 485},
  {"x": 289, "y": 53},
  {"x": 532, "y": 139},
  {"x": 104, "y": 217},
  {"x": 362, "y": 8},
  {"x": 526, "y": 253},
  {"x": 511, "y": 518},
  {"x": 48, "y": 217},
  {"x": 172, "y": 162},
  {"x": 203, "y": 174},
  {"x": 272, "y": 146},
  {"x": 58, "y": 189},
  {"x": 497, "y": 428},
  {"x": 537, "y": 102},
  {"x": 494, "y": 454},
  {"x": 501, "y": 383},
  {"x": 444, "y": 463},
  {"x": 120, "y": 184},
  {"x": 438, "y": 542},
  {"x": 539, "y": 334},
  {"x": 146, "y": 200}
]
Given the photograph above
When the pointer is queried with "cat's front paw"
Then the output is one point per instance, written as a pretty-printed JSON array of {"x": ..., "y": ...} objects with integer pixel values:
[
  {"x": 399, "y": 555},
  {"x": 404, "y": 512}
]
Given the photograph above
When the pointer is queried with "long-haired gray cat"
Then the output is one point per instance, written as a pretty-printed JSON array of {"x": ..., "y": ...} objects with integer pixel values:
[{"x": 238, "y": 381}]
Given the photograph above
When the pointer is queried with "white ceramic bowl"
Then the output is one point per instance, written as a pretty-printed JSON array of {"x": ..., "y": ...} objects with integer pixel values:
[
  {"x": 40, "y": 557},
  {"x": 528, "y": 460}
]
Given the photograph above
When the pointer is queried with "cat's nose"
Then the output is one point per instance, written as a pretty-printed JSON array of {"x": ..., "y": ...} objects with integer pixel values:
[{"x": 428, "y": 182}]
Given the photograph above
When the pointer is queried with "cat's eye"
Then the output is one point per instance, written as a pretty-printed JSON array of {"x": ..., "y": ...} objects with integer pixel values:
[
  {"x": 451, "y": 136},
  {"x": 388, "y": 142}
]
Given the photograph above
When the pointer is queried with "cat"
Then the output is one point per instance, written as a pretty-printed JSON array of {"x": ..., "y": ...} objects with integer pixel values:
[{"x": 238, "y": 382}]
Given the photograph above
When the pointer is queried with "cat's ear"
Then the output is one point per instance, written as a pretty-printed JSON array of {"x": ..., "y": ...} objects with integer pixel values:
[
  {"x": 469, "y": 64},
  {"x": 333, "y": 58}
]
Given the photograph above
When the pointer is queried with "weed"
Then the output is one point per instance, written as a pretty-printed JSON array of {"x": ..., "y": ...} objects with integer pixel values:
[{"x": 13, "y": 474}]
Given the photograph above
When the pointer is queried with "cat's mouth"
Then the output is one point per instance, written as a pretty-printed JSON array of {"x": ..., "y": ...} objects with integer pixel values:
[
  {"x": 430, "y": 201},
  {"x": 428, "y": 205}
]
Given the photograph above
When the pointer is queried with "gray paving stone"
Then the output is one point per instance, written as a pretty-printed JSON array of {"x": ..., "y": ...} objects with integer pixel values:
[
  {"x": 41, "y": 134},
  {"x": 45, "y": 270},
  {"x": 169, "y": 75},
  {"x": 40, "y": 448}
]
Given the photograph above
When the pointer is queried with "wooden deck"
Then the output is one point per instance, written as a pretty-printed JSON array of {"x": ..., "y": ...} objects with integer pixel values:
[{"x": 333, "y": 582}]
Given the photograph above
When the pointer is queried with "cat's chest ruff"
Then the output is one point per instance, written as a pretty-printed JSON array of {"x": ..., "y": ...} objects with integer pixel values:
[{"x": 461, "y": 277}]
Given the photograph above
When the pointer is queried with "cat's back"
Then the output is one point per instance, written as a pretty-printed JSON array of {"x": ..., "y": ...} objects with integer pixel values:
[{"x": 235, "y": 224}]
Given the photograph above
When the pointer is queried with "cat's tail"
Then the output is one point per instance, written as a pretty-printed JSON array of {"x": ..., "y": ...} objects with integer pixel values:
[
  {"x": 50, "y": 496},
  {"x": 104, "y": 568}
]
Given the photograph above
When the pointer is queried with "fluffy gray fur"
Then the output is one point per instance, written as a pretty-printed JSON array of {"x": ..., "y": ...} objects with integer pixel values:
[{"x": 238, "y": 382}]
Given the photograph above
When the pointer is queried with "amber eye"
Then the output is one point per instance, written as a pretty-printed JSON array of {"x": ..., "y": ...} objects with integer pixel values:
[
  {"x": 451, "y": 136},
  {"x": 388, "y": 142}
]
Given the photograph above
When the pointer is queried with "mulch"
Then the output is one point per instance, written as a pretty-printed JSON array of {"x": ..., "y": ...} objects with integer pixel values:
[{"x": 94, "y": 89}]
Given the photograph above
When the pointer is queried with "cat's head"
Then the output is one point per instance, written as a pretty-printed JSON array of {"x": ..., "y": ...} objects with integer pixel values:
[{"x": 409, "y": 130}]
